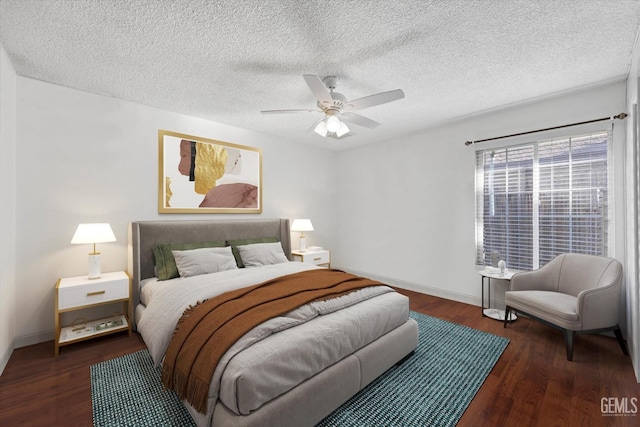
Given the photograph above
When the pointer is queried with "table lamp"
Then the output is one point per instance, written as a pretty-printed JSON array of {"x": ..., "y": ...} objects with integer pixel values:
[
  {"x": 302, "y": 225},
  {"x": 93, "y": 233}
]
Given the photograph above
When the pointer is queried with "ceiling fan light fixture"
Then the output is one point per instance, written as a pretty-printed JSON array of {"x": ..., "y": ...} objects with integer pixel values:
[
  {"x": 333, "y": 124},
  {"x": 321, "y": 128},
  {"x": 343, "y": 130}
]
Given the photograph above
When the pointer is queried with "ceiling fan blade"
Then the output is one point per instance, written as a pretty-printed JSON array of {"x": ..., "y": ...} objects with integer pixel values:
[
  {"x": 359, "y": 120},
  {"x": 289, "y": 111},
  {"x": 377, "y": 99},
  {"x": 318, "y": 88}
]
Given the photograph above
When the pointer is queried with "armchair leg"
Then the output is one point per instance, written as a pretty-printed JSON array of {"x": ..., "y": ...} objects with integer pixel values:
[
  {"x": 568, "y": 339},
  {"x": 620, "y": 339}
]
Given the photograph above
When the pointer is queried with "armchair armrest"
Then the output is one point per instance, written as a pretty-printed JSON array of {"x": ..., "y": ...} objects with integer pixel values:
[{"x": 597, "y": 308}]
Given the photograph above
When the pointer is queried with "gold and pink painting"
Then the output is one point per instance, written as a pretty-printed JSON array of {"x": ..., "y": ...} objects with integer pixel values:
[{"x": 200, "y": 175}]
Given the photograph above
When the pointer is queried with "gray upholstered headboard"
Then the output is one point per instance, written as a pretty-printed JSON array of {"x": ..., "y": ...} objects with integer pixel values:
[{"x": 143, "y": 235}]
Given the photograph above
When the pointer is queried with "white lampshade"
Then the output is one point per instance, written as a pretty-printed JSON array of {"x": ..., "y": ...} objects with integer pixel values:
[
  {"x": 333, "y": 124},
  {"x": 321, "y": 129},
  {"x": 91, "y": 234},
  {"x": 302, "y": 225},
  {"x": 343, "y": 130}
]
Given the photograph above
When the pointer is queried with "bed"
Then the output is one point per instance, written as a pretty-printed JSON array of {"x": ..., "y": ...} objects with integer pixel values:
[{"x": 269, "y": 378}]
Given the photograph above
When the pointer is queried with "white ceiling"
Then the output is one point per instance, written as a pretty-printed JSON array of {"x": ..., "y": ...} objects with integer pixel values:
[{"x": 226, "y": 61}]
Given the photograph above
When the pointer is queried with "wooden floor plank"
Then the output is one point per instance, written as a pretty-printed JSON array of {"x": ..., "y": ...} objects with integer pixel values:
[{"x": 532, "y": 383}]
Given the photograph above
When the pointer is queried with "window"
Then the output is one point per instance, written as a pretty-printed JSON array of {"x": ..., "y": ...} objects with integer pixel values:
[{"x": 537, "y": 200}]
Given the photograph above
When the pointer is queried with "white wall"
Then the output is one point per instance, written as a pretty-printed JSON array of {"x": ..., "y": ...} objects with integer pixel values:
[
  {"x": 632, "y": 193},
  {"x": 407, "y": 206},
  {"x": 7, "y": 207},
  {"x": 88, "y": 158}
]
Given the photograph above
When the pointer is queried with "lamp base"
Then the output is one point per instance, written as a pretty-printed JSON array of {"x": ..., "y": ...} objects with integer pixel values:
[
  {"x": 94, "y": 266},
  {"x": 303, "y": 244}
]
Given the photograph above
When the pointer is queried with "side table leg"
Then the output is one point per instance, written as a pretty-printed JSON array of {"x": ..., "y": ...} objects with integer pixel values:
[
  {"x": 488, "y": 294},
  {"x": 482, "y": 295}
]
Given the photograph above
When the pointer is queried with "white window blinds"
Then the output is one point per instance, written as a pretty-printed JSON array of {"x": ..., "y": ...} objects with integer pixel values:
[{"x": 538, "y": 200}]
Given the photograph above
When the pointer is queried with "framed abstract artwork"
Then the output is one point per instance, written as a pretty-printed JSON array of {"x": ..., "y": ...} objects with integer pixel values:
[{"x": 200, "y": 175}]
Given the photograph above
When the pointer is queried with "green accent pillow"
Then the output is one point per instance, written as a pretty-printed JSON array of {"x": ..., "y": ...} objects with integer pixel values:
[
  {"x": 240, "y": 242},
  {"x": 166, "y": 267}
]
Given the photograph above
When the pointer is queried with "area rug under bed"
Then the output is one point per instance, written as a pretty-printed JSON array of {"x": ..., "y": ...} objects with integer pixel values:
[{"x": 432, "y": 388}]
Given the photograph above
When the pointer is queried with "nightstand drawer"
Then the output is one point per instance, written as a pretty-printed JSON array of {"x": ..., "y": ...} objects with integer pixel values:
[
  {"x": 317, "y": 258},
  {"x": 93, "y": 293}
]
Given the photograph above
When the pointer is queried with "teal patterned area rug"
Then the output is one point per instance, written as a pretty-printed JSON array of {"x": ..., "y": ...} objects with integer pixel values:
[{"x": 432, "y": 388}]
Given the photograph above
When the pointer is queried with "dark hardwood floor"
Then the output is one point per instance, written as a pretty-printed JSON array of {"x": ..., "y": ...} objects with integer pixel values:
[{"x": 532, "y": 384}]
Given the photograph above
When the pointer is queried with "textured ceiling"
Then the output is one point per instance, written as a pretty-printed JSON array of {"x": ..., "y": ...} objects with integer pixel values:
[{"x": 226, "y": 61}]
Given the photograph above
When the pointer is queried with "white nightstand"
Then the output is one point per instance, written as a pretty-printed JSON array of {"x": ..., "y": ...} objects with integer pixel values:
[
  {"x": 76, "y": 293},
  {"x": 318, "y": 257}
]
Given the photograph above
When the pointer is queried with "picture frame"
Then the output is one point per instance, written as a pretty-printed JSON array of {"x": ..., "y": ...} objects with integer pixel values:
[{"x": 201, "y": 175}]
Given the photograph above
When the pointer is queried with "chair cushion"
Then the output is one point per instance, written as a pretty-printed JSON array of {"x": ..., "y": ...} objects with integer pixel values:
[{"x": 554, "y": 307}]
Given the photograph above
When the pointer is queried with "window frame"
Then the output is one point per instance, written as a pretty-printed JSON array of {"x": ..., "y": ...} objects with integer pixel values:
[{"x": 483, "y": 259}]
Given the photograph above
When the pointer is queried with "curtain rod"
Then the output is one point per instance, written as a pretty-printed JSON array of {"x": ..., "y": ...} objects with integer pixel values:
[{"x": 620, "y": 116}]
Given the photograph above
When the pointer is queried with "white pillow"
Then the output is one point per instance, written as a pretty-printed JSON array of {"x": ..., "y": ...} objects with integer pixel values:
[
  {"x": 204, "y": 260},
  {"x": 258, "y": 254}
]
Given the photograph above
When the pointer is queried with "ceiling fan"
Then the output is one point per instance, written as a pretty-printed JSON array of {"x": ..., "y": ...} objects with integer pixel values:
[{"x": 337, "y": 110}]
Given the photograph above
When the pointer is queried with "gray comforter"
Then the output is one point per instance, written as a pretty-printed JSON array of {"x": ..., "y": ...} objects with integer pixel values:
[{"x": 281, "y": 353}]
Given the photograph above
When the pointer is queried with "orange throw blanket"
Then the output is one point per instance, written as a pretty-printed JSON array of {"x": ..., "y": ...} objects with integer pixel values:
[{"x": 206, "y": 331}]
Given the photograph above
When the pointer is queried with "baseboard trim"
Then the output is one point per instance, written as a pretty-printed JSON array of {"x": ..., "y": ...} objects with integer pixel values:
[
  {"x": 417, "y": 287},
  {"x": 27, "y": 340},
  {"x": 5, "y": 359}
]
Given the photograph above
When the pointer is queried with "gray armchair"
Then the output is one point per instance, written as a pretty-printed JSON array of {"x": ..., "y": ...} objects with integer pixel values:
[{"x": 574, "y": 292}]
